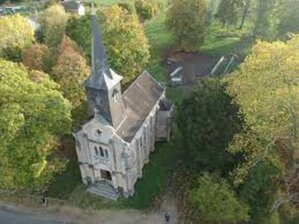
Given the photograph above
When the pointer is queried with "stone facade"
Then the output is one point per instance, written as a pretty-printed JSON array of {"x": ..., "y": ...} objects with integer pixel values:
[{"x": 114, "y": 146}]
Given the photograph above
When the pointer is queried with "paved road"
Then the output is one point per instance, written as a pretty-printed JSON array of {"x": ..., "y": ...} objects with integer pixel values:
[{"x": 13, "y": 217}]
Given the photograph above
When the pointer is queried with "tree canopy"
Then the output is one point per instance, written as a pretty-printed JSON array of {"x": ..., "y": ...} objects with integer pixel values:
[
  {"x": 36, "y": 57},
  {"x": 208, "y": 121},
  {"x": 52, "y": 24},
  {"x": 16, "y": 34},
  {"x": 266, "y": 88},
  {"x": 32, "y": 114},
  {"x": 187, "y": 22},
  {"x": 216, "y": 201},
  {"x": 70, "y": 71}
]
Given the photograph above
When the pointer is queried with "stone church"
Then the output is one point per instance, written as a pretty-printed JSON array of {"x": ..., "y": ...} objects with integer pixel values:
[{"x": 115, "y": 144}]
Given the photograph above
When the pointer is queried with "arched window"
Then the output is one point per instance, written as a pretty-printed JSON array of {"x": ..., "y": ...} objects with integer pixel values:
[
  {"x": 101, "y": 152},
  {"x": 96, "y": 151},
  {"x": 106, "y": 154}
]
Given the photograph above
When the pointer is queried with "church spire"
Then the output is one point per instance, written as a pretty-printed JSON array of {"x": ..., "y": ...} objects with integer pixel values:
[{"x": 100, "y": 67}]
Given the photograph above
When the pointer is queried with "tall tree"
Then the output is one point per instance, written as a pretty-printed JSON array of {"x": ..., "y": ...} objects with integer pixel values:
[
  {"x": 228, "y": 11},
  {"x": 246, "y": 4},
  {"x": 52, "y": 24},
  {"x": 187, "y": 21},
  {"x": 215, "y": 201},
  {"x": 70, "y": 71},
  {"x": 266, "y": 88},
  {"x": 288, "y": 18},
  {"x": 33, "y": 114},
  {"x": 36, "y": 57},
  {"x": 16, "y": 34},
  {"x": 208, "y": 121},
  {"x": 124, "y": 39}
]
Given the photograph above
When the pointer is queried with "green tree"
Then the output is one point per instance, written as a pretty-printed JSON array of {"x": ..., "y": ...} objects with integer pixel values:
[
  {"x": 288, "y": 18},
  {"x": 208, "y": 121},
  {"x": 266, "y": 88},
  {"x": 265, "y": 24},
  {"x": 70, "y": 71},
  {"x": 52, "y": 24},
  {"x": 215, "y": 201},
  {"x": 33, "y": 114},
  {"x": 16, "y": 34},
  {"x": 187, "y": 22},
  {"x": 147, "y": 9},
  {"x": 124, "y": 39},
  {"x": 228, "y": 11},
  {"x": 36, "y": 57}
]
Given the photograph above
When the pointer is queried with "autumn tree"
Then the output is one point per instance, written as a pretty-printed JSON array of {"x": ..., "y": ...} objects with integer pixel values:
[
  {"x": 16, "y": 34},
  {"x": 208, "y": 120},
  {"x": 52, "y": 24},
  {"x": 70, "y": 71},
  {"x": 123, "y": 37},
  {"x": 215, "y": 201},
  {"x": 187, "y": 22},
  {"x": 36, "y": 57},
  {"x": 33, "y": 114},
  {"x": 266, "y": 88}
]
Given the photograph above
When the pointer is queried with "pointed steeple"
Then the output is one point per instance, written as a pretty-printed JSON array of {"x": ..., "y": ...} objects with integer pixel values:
[
  {"x": 103, "y": 87},
  {"x": 100, "y": 67}
]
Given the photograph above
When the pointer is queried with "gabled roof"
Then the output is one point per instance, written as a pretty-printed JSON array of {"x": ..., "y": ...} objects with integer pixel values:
[
  {"x": 139, "y": 99},
  {"x": 70, "y": 5}
]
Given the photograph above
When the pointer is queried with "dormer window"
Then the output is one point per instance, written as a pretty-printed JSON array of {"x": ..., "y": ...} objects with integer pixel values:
[{"x": 99, "y": 132}]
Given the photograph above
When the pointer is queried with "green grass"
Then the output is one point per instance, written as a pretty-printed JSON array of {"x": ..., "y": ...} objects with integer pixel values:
[
  {"x": 223, "y": 41},
  {"x": 159, "y": 39}
]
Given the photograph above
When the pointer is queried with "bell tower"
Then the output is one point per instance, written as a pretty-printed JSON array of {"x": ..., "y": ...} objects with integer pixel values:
[{"x": 103, "y": 87}]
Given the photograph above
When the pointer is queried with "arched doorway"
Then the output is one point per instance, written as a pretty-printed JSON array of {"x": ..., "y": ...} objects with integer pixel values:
[{"x": 106, "y": 175}]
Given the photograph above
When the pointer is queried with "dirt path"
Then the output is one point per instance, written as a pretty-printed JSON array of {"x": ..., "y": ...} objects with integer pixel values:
[{"x": 69, "y": 214}]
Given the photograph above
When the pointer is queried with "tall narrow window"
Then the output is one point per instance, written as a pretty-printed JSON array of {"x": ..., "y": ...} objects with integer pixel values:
[
  {"x": 101, "y": 152},
  {"x": 96, "y": 151},
  {"x": 106, "y": 154}
]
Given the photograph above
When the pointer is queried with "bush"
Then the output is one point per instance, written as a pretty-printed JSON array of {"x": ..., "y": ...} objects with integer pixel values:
[{"x": 147, "y": 9}]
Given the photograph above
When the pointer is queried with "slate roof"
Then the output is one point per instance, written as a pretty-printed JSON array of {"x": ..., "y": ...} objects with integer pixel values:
[
  {"x": 70, "y": 5},
  {"x": 139, "y": 99}
]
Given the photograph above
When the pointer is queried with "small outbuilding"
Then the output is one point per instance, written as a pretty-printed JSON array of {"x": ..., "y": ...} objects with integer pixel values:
[{"x": 75, "y": 7}]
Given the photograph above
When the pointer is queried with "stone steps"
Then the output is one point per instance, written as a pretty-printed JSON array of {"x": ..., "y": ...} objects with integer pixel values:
[{"x": 103, "y": 189}]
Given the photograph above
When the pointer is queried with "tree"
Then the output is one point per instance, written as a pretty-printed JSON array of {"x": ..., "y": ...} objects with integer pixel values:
[
  {"x": 147, "y": 9},
  {"x": 187, "y": 21},
  {"x": 33, "y": 114},
  {"x": 36, "y": 57},
  {"x": 70, "y": 71},
  {"x": 228, "y": 11},
  {"x": 208, "y": 121},
  {"x": 215, "y": 201},
  {"x": 288, "y": 18},
  {"x": 246, "y": 4},
  {"x": 16, "y": 34},
  {"x": 266, "y": 88},
  {"x": 264, "y": 26},
  {"x": 123, "y": 37},
  {"x": 52, "y": 24}
]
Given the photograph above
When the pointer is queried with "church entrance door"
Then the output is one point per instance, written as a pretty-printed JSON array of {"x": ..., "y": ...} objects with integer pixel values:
[{"x": 106, "y": 175}]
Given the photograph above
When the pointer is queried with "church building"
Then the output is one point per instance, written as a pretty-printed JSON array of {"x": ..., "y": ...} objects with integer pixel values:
[{"x": 115, "y": 144}]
